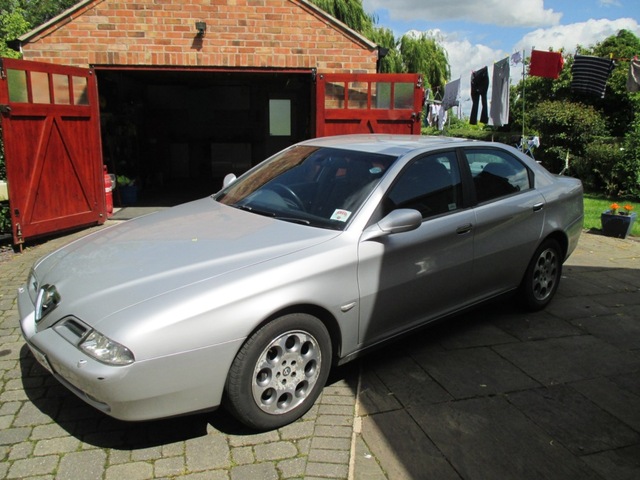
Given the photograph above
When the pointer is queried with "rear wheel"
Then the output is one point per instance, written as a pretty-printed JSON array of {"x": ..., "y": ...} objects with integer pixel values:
[
  {"x": 279, "y": 372},
  {"x": 542, "y": 277}
]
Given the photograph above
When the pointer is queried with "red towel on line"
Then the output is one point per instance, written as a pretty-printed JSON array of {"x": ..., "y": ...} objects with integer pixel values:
[{"x": 545, "y": 64}]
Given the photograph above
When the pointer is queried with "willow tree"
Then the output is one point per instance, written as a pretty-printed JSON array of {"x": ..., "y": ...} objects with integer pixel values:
[
  {"x": 391, "y": 61},
  {"x": 424, "y": 54},
  {"x": 349, "y": 12}
]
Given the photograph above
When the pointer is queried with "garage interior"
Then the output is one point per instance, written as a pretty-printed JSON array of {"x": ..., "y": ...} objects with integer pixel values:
[{"x": 176, "y": 133}]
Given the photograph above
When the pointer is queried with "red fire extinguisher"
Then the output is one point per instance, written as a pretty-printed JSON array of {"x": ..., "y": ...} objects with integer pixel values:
[{"x": 108, "y": 191}]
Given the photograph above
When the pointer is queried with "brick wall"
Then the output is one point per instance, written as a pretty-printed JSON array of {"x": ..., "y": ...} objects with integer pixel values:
[{"x": 240, "y": 33}]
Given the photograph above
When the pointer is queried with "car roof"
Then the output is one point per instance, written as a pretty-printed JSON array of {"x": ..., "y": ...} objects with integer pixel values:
[{"x": 396, "y": 145}]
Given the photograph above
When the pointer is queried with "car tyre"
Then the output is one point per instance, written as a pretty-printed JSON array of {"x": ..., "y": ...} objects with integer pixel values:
[
  {"x": 542, "y": 277},
  {"x": 279, "y": 372}
]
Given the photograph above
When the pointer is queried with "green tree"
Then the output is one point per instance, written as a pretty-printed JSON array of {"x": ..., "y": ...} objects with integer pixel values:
[
  {"x": 392, "y": 61},
  {"x": 565, "y": 128},
  {"x": 423, "y": 54},
  {"x": 349, "y": 12},
  {"x": 12, "y": 25},
  {"x": 413, "y": 54}
]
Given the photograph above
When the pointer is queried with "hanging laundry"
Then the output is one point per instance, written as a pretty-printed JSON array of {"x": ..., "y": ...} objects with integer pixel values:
[
  {"x": 451, "y": 95},
  {"x": 499, "y": 112},
  {"x": 442, "y": 117},
  {"x": 590, "y": 74},
  {"x": 633, "y": 80},
  {"x": 545, "y": 64},
  {"x": 479, "y": 88},
  {"x": 516, "y": 58}
]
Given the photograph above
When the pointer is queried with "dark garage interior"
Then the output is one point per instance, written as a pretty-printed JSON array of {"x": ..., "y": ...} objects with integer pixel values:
[{"x": 176, "y": 133}]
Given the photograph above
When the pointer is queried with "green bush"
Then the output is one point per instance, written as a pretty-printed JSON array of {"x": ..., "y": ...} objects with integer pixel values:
[{"x": 598, "y": 167}]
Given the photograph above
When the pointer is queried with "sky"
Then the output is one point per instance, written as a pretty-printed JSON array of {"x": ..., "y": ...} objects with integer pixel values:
[{"x": 477, "y": 33}]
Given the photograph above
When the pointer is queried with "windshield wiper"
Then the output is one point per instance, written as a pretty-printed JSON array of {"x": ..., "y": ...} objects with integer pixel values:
[
  {"x": 247, "y": 208},
  {"x": 301, "y": 221}
]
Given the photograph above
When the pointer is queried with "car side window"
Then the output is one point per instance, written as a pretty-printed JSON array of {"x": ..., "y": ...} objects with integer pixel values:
[
  {"x": 430, "y": 185},
  {"x": 496, "y": 174}
]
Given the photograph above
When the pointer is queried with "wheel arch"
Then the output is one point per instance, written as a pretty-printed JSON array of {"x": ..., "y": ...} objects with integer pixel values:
[
  {"x": 322, "y": 314},
  {"x": 562, "y": 239}
]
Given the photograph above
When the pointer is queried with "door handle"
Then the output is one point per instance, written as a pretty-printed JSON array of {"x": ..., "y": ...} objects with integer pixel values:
[
  {"x": 462, "y": 229},
  {"x": 538, "y": 206}
]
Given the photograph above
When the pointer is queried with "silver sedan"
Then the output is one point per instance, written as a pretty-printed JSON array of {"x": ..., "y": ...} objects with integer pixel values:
[{"x": 316, "y": 255}]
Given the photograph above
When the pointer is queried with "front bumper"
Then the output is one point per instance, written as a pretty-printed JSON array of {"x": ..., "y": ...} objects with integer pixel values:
[{"x": 148, "y": 389}]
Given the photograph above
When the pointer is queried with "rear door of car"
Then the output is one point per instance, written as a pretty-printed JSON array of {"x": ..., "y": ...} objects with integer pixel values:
[{"x": 508, "y": 221}]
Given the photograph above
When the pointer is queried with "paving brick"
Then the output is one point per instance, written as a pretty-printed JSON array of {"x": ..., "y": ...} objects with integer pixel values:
[
  {"x": 11, "y": 436},
  {"x": 208, "y": 452},
  {"x": 297, "y": 430},
  {"x": 169, "y": 467},
  {"x": 329, "y": 456},
  {"x": 32, "y": 467},
  {"x": 330, "y": 443},
  {"x": 275, "y": 451},
  {"x": 292, "y": 468},
  {"x": 263, "y": 471},
  {"x": 242, "y": 455},
  {"x": 130, "y": 471},
  {"x": 56, "y": 446},
  {"x": 327, "y": 470},
  {"x": 333, "y": 431},
  {"x": 88, "y": 465}
]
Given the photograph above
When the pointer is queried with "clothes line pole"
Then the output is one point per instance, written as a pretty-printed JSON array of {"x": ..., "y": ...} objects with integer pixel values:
[{"x": 524, "y": 63}]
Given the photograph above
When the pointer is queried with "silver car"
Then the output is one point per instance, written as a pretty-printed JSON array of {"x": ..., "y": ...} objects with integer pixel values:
[{"x": 316, "y": 255}]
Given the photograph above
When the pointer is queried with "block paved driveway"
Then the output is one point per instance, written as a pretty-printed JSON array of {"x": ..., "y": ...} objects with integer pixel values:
[{"x": 494, "y": 393}]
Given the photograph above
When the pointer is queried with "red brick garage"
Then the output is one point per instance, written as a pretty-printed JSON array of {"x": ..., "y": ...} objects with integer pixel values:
[{"x": 178, "y": 109}]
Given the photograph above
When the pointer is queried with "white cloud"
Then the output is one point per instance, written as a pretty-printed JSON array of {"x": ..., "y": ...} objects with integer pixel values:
[
  {"x": 569, "y": 37},
  {"x": 511, "y": 13},
  {"x": 609, "y": 3}
]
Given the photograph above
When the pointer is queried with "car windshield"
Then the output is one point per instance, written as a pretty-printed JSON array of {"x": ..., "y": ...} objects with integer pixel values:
[{"x": 321, "y": 187}]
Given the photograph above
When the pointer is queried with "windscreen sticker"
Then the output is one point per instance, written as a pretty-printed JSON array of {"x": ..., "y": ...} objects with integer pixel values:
[{"x": 341, "y": 215}]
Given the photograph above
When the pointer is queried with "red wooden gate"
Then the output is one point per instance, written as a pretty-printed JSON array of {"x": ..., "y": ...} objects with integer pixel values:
[
  {"x": 368, "y": 103},
  {"x": 53, "y": 154}
]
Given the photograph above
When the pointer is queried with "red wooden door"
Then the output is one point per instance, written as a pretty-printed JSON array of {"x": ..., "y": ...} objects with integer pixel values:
[
  {"x": 368, "y": 103},
  {"x": 53, "y": 153}
]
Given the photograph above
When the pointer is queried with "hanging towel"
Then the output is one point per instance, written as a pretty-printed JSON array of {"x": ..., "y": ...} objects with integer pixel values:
[
  {"x": 499, "y": 111},
  {"x": 590, "y": 74},
  {"x": 451, "y": 95},
  {"x": 633, "y": 80},
  {"x": 545, "y": 64}
]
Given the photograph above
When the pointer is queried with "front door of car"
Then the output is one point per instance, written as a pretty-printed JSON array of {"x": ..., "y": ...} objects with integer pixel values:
[
  {"x": 508, "y": 220},
  {"x": 408, "y": 278}
]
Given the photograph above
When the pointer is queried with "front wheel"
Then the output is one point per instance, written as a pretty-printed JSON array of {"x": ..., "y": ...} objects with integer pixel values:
[
  {"x": 279, "y": 372},
  {"x": 542, "y": 277}
]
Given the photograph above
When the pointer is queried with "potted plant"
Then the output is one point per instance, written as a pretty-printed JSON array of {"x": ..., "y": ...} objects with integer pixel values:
[
  {"x": 128, "y": 190},
  {"x": 617, "y": 222}
]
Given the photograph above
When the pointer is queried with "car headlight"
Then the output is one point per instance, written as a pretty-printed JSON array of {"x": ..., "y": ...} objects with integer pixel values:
[{"x": 106, "y": 350}]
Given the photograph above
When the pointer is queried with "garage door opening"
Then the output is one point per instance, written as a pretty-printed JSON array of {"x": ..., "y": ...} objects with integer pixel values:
[{"x": 176, "y": 133}]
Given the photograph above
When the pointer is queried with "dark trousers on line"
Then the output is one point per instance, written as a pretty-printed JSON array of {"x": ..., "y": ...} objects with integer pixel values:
[{"x": 479, "y": 88}]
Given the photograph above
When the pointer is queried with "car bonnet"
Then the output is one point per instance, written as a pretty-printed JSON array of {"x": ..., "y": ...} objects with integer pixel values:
[{"x": 143, "y": 258}]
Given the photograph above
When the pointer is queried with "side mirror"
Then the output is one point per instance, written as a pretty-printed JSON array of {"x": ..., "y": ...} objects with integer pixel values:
[
  {"x": 398, "y": 221},
  {"x": 228, "y": 180}
]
